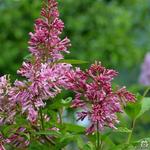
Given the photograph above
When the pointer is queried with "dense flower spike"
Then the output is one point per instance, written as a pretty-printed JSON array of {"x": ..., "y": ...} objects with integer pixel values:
[
  {"x": 95, "y": 96},
  {"x": 44, "y": 75},
  {"x": 145, "y": 74},
  {"x": 45, "y": 41}
]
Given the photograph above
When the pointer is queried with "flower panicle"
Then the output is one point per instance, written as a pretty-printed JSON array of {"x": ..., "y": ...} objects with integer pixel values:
[
  {"x": 95, "y": 96},
  {"x": 44, "y": 77}
]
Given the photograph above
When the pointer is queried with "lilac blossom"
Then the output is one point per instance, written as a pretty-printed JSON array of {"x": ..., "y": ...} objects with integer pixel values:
[
  {"x": 145, "y": 71},
  {"x": 43, "y": 83},
  {"x": 45, "y": 41},
  {"x": 7, "y": 108},
  {"x": 45, "y": 76},
  {"x": 95, "y": 96}
]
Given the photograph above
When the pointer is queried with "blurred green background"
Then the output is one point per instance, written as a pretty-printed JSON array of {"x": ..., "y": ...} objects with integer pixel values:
[{"x": 116, "y": 32}]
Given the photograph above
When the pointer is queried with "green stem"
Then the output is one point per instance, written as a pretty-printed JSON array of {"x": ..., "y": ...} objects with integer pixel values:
[
  {"x": 60, "y": 116},
  {"x": 98, "y": 138},
  {"x": 145, "y": 93},
  {"x": 131, "y": 133},
  {"x": 41, "y": 119}
]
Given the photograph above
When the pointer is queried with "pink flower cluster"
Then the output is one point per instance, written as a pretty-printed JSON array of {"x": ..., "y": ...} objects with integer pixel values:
[
  {"x": 44, "y": 82},
  {"x": 44, "y": 75},
  {"x": 95, "y": 96},
  {"x": 45, "y": 41}
]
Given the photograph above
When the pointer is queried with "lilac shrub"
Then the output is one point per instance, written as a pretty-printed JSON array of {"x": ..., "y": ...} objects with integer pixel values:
[{"x": 44, "y": 77}]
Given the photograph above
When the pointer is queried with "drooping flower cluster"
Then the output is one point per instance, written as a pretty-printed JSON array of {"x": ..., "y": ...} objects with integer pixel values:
[
  {"x": 145, "y": 71},
  {"x": 95, "y": 96}
]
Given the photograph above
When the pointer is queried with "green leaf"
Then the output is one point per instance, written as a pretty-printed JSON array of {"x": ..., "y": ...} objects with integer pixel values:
[
  {"x": 59, "y": 103},
  {"x": 105, "y": 135},
  {"x": 34, "y": 145},
  {"x": 52, "y": 114},
  {"x": 65, "y": 140},
  {"x": 89, "y": 146},
  {"x": 7, "y": 130},
  {"x": 123, "y": 147},
  {"x": 55, "y": 104},
  {"x": 133, "y": 109},
  {"x": 123, "y": 130},
  {"x": 74, "y": 128},
  {"x": 73, "y": 61},
  {"x": 80, "y": 142},
  {"x": 145, "y": 106}
]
